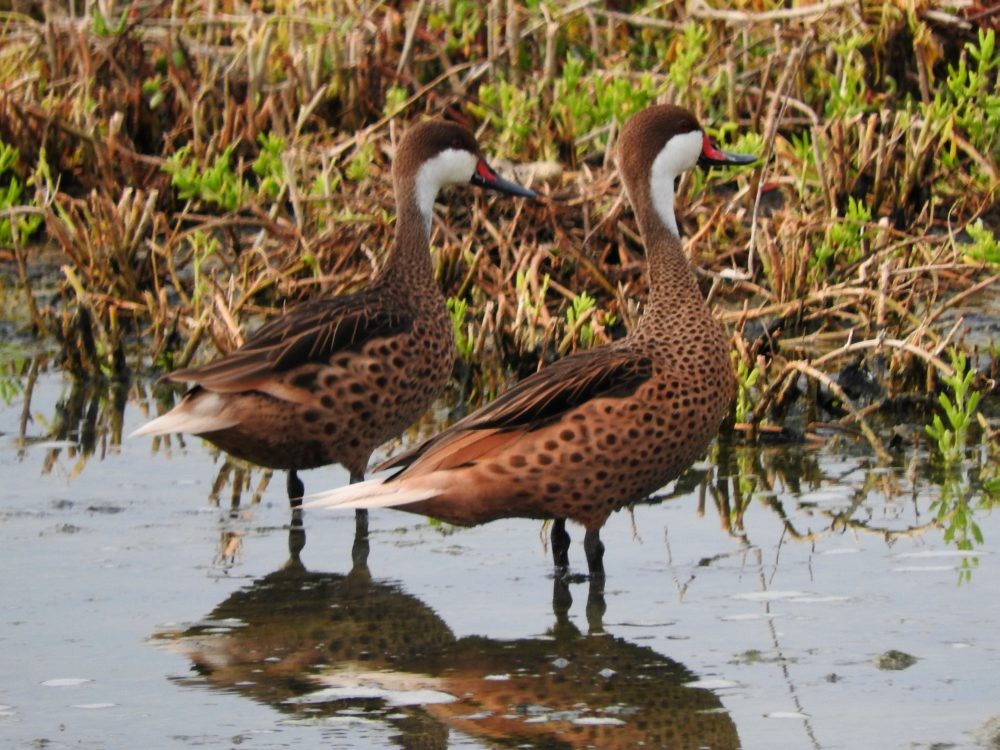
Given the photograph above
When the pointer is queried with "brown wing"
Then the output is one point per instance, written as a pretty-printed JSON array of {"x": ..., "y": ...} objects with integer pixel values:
[
  {"x": 309, "y": 333},
  {"x": 608, "y": 372}
]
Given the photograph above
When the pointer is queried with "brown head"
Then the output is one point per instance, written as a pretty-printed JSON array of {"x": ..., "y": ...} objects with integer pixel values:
[
  {"x": 436, "y": 153},
  {"x": 655, "y": 146}
]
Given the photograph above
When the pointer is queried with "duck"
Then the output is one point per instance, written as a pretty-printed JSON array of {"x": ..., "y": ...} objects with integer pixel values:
[
  {"x": 605, "y": 427},
  {"x": 334, "y": 378}
]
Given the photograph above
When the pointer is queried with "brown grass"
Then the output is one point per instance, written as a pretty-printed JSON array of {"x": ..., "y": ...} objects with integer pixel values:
[{"x": 338, "y": 81}]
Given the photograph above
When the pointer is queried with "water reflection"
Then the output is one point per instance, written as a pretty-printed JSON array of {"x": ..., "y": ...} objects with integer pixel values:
[
  {"x": 316, "y": 645},
  {"x": 86, "y": 420},
  {"x": 819, "y": 492}
]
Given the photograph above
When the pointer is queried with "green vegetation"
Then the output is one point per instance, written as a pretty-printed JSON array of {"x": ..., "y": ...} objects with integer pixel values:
[
  {"x": 457, "y": 308},
  {"x": 578, "y": 314},
  {"x": 844, "y": 241},
  {"x": 959, "y": 405},
  {"x": 967, "y": 479},
  {"x": 13, "y": 362},
  {"x": 13, "y": 228},
  {"x": 985, "y": 247},
  {"x": 197, "y": 172},
  {"x": 970, "y": 97},
  {"x": 268, "y": 166},
  {"x": 746, "y": 382},
  {"x": 216, "y": 185}
]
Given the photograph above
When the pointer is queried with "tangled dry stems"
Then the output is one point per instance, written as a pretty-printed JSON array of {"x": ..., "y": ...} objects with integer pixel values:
[{"x": 840, "y": 94}]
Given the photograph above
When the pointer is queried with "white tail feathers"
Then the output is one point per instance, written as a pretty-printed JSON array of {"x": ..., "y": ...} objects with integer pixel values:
[
  {"x": 204, "y": 413},
  {"x": 374, "y": 493}
]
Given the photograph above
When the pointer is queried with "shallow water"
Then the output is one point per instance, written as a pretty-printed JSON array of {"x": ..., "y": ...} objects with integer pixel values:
[{"x": 140, "y": 613}]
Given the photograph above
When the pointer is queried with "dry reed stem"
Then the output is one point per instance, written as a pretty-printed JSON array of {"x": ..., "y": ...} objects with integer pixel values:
[{"x": 700, "y": 9}]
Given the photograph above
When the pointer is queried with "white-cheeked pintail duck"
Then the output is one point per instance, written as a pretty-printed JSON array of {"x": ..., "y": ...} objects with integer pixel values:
[
  {"x": 602, "y": 428},
  {"x": 333, "y": 379}
]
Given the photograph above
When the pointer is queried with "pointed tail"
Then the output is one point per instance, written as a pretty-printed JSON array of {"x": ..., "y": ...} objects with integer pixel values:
[
  {"x": 373, "y": 493},
  {"x": 203, "y": 413}
]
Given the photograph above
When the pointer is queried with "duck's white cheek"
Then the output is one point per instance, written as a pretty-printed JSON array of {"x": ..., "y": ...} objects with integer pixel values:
[
  {"x": 679, "y": 154},
  {"x": 447, "y": 168}
]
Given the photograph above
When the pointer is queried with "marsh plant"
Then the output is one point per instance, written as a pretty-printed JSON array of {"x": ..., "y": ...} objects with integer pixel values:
[
  {"x": 14, "y": 226},
  {"x": 198, "y": 171},
  {"x": 13, "y": 364},
  {"x": 959, "y": 402},
  {"x": 457, "y": 310},
  {"x": 747, "y": 393},
  {"x": 844, "y": 243},
  {"x": 216, "y": 184},
  {"x": 984, "y": 246},
  {"x": 969, "y": 483},
  {"x": 970, "y": 98},
  {"x": 578, "y": 321}
]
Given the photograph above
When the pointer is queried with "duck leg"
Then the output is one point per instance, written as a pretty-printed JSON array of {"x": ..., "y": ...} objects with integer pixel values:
[
  {"x": 359, "y": 551},
  {"x": 295, "y": 489},
  {"x": 594, "y": 548},
  {"x": 296, "y": 529},
  {"x": 560, "y": 545}
]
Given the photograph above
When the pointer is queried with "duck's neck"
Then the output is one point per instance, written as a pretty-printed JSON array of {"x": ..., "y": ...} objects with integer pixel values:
[
  {"x": 672, "y": 283},
  {"x": 409, "y": 263}
]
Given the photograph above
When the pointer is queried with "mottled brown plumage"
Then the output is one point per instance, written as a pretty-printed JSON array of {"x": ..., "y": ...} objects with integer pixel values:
[
  {"x": 603, "y": 428},
  {"x": 335, "y": 378}
]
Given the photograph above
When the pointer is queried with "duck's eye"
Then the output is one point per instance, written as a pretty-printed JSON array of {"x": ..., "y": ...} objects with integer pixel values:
[{"x": 456, "y": 143}]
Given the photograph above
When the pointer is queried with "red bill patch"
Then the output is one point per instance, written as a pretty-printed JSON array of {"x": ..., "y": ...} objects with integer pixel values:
[{"x": 708, "y": 149}]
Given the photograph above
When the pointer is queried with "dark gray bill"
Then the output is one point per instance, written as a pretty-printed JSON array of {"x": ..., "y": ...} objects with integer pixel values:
[
  {"x": 485, "y": 177},
  {"x": 712, "y": 156}
]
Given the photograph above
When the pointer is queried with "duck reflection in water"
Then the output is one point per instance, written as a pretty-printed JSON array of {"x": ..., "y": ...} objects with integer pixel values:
[{"x": 321, "y": 644}]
